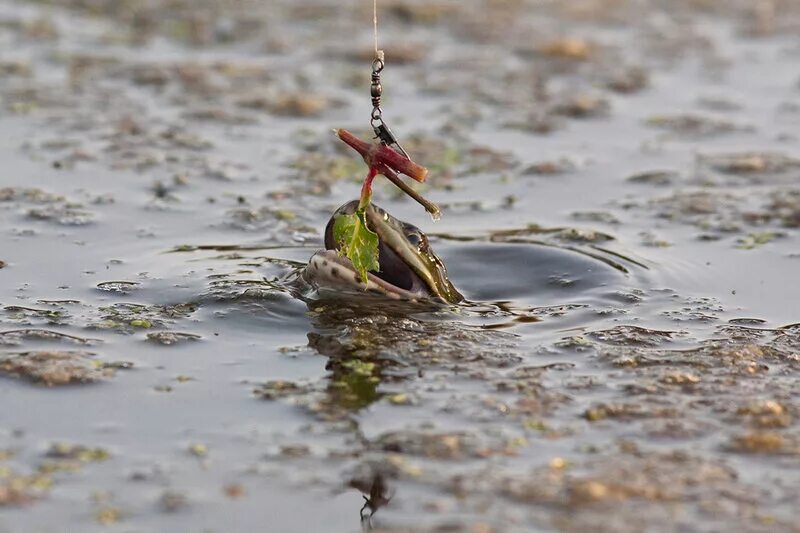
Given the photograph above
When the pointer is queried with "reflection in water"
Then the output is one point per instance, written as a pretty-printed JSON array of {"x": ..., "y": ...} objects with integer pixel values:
[
  {"x": 361, "y": 339},
  {"x": 358, "y": 338},
  {"x": 354, "y": 378},
  {"x": 376, "y": 495},
  {"x": 372, "y": 345}
]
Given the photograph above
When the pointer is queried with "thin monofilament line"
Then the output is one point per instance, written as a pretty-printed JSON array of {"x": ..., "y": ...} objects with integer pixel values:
[{"x": 375, "y": 23}]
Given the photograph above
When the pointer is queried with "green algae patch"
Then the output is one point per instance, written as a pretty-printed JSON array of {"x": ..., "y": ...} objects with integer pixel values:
[
  {"x": 63, "y": 457},
  {"x": 128, "y": 318},
  {"x": 77, "y": 452},
  {"x": 273, "y": 390},
  {"x": 754, "y": 240},
  {"x": 108, "y": 516},
  {"x": 198, "y": 449}
]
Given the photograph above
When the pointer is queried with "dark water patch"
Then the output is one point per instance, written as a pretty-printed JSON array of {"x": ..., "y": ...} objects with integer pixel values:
[
  {"x": 526, "y": 272},
  {"x": 580, "y": 241}
]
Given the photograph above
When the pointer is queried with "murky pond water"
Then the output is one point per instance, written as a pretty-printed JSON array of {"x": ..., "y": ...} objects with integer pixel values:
[{"x": 620, "y": 184}]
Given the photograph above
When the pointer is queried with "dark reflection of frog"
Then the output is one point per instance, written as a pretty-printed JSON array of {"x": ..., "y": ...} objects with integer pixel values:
[
  {"x": 376, "y": 493},
  {"x": 361, "y": 341},
  {"x": 409, "y": 270}
]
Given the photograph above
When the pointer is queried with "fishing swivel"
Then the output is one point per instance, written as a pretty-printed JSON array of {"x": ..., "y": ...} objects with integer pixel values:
[{"x": 379, "y": 126}]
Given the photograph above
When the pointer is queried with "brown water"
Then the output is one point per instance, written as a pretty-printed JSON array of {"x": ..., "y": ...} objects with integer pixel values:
[{"x": 620, "y": 183}]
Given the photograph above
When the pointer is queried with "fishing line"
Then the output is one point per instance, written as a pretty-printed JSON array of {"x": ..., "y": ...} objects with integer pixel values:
[{"x": 375, "y": 25}]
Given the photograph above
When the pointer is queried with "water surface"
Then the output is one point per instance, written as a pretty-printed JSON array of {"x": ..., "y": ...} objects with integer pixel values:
[{"x": 619, "y": 184}]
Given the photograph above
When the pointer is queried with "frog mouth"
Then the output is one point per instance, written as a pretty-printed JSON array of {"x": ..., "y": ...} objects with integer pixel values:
[
  {"x": 408, "y": 270},
  {"x": 396, "y": 279}
]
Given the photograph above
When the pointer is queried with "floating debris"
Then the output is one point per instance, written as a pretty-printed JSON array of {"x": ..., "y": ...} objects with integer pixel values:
[
  {"x": 750, "y": 163},
  {"x": 634, "y": 336},
  {"x": 603, "y": 217},
  {"x": 571, "y": 48},
  {"x": 120, "y": 287},
  {"x": 62, "y": 215},
  {"x": 582, "y": 235},
  {"x": 655, "y": 177},
  {"x": 168, "y": 338},
  {"x": 17, "y": 336},
  {"x": 273, "y": 390},
  {"x": 433, "y": 445},
  {"x": 77, "y": 452},
  {"x": 198, "y": 449},
  {"x": 550, "y": 168},
  {"x": 583, "y": 106},
  {"x": 171, "y": 501},
  {"x": 53, "y": 368},
  {"x": 107, "y": 516},
  {"x": 234, "y": 491},
  {"x": 694, "y": 125},
  {"x": 754, "y": 240},
  {"x": 764, "y": 442},
  {"x": 291, "y": 105},
  {"x": 33, "y": 196},
  {"x": 627, "y": 80},
  {"x": 19, "y": 490}
]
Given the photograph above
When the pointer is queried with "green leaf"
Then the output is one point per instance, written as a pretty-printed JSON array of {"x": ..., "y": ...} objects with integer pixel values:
[{"x": 357, "y": 242}]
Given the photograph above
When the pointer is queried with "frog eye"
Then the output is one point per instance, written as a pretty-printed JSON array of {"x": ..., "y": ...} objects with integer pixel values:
[{"x": 414, "y": 239}]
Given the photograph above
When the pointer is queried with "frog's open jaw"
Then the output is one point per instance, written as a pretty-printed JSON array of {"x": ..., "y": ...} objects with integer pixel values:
[
  {"x": 328, "y": 268},
  {"x": 409, "y": 270}
]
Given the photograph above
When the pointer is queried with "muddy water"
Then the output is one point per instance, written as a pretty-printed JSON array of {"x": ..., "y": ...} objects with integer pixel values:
[{"x": 619, "y": 184}]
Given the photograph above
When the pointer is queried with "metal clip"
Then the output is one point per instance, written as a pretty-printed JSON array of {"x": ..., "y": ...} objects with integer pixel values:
[{"x": 386, "y": 136}]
